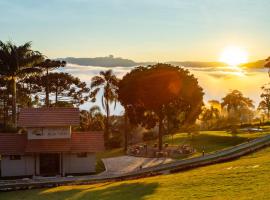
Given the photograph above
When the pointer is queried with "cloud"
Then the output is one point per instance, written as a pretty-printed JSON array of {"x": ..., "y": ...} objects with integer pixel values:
[{"x": 215, "y": 81}]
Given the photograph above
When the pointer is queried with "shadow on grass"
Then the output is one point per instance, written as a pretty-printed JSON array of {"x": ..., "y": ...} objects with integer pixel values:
[{"x": 125, "y": 191}]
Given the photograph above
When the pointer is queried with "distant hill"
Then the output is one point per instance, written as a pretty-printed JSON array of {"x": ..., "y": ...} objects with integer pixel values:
[
  {"x": 256, "y": 64},
  {"x": 111, "y": 61}
]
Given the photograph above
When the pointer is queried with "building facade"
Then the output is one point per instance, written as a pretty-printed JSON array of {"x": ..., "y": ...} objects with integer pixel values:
[{"x": 47, "y": 146}]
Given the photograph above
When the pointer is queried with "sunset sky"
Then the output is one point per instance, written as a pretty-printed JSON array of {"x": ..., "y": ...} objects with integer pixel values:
[
  {"x": 142, "y": 30},
  {"x": 231, "y": 31}
]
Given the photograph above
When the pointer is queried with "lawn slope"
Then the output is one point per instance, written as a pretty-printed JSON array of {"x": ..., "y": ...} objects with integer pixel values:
[{"x": 245, "y": 178}]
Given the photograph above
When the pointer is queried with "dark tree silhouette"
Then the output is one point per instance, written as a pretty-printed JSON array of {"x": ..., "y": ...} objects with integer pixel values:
[
  {"x": 147, "y": 92},
  {"x": 15, "y": 62},
  {"x": 48, "y": 65}
]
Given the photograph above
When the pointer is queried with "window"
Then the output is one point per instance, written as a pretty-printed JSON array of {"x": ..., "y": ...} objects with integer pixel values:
[
  {"x": 15, "y": 157},
  {"x": 82, "y": 155}
]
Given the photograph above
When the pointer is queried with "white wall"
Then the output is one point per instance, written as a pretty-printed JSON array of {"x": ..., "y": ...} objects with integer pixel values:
[
  {"x": 49, "y": 133},
  {"x": 74, "y": 164},
  {"x": 22, "y": 167}
]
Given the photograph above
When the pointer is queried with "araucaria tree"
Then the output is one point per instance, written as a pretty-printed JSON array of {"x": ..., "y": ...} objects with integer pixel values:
[
  {"x": 148, "y": 92},
  {"x": 107, "y": 83},
  {"x": 16, "y": 62},
  {"x": 48, "y": 65}
]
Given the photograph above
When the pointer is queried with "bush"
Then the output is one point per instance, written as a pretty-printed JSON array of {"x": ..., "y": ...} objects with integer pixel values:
[
  {"x": 114, "y": 142},
  {"x": 149, "y": 135}
]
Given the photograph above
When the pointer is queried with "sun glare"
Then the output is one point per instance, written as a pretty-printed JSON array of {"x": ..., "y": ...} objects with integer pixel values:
[{"x": 233, "y": 56}]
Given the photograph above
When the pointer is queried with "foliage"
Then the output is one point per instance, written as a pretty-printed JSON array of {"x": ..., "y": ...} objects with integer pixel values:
[
  {"x": 264, "y": 105},
  {"x": 50, "y": 65},
  {"x": 148, "y": 92},
  {"x": 209, "y": 116},
  {"x": 17, "y": 62},
  {"x": 63, "y": 86},
  {"x": 149, "y": 135},
  {"x": 106, "y": 82},
  {"x": 238, "y": 107},
  {"x": 114, "y": 142},
  {"x": 267, "y": 65},
  {"x": 92, "y": 120}
]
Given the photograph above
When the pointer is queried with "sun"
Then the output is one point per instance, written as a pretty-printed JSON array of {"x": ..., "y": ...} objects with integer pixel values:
[{"x": 233, "y": 56}]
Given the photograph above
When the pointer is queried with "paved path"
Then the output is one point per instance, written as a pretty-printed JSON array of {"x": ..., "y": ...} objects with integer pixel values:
[{"x": 126, "y": 164}]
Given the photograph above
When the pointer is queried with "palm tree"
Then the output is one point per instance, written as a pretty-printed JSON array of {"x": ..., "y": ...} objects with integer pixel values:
[
  {"x": 108, "y": 83},
  {"x": 15, "y": 62}
]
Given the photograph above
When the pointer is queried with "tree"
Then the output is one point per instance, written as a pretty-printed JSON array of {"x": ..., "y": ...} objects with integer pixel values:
[
  {"x": 264, "y": 105},
  {"x": 234, "y": 102},
  {"x": 15, "y": 62},
  {"x": 50, "y": 65},
  {"x": 147, "y": 92},
  {"x": 208, "y": 115},
  {"x": 267, "y": 65},
  {"x": 92, "y": 120},
  {"x": 106, "y": 82}
]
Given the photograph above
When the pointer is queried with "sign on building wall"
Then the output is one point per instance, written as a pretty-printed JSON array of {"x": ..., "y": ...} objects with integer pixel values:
[{"x": 49, "y": 133}]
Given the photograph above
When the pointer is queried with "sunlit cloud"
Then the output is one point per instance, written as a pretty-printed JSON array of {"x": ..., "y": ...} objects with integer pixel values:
[{"x": 216, "y": 81}]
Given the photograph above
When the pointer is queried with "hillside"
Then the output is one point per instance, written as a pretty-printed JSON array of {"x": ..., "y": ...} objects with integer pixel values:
[
  {"x": 245, "y": 178},
  {"x": 111, "y": 61}
]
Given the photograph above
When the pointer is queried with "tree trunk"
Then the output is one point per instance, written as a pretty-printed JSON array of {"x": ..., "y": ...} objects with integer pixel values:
[
  {"x": 47, "y": 102},
  {"x": 160, "y": 133},
  {"x": 14, "y": 100},
  {"x": 106, "y": 132},
  {"x": 126, "y": 132},
  {"x": 56, "y": 94}
]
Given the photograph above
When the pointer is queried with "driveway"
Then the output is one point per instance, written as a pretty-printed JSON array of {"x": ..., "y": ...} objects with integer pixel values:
[{"x": 125, "y": 164}]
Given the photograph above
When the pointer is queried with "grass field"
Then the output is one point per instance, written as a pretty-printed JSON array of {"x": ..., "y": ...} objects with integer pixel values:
[
  {"x": 245, "y": 178},
  {"x": 208, "y": 141}
]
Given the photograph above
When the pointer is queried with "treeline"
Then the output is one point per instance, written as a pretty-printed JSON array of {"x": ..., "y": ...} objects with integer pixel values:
[
  {"x": 159, "y": 95},
  {"x": 27, "y": 79}
]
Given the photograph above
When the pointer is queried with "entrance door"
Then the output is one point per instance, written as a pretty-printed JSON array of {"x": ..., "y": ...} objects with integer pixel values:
[{"x": 49, "y": 164}]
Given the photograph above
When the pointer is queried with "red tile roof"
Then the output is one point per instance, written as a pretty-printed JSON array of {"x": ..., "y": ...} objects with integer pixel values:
[
  {"x": 48, "y": 145},
  {"x": 87, "y": 142},
  {"x": 12, "y": 144},
  {"x": 47, "y": 117}
]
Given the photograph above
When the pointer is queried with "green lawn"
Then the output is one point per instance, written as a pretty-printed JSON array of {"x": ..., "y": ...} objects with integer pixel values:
[
  {"x": 208, "y": 140},
  {"x": 245, "y": 178}
]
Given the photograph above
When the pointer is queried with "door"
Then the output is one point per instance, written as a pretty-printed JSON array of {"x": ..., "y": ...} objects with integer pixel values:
[{"x": 49, "y": 164}]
